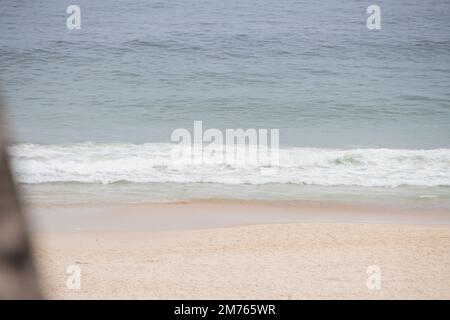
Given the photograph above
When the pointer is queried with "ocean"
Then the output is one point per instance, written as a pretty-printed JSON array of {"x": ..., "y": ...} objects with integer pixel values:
[{"x": 363, "y": 114}]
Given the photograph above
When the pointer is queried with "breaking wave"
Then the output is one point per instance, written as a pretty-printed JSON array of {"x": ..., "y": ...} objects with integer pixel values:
[{"x": 153, "y": 163}]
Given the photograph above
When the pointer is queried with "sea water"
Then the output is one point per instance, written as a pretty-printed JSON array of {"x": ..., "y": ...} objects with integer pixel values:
[{"x": 362, "y": 113}]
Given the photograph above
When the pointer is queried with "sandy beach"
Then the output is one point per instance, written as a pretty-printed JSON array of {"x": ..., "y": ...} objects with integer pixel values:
[{"x": 242, "y": 250}]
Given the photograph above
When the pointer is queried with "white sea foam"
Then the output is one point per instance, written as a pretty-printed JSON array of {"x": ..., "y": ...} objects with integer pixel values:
[{"x": 152, "y": 162}]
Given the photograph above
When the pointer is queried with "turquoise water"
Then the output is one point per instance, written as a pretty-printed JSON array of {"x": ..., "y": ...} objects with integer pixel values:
[
  {"x": 373, "y": 105},
  {"x": 139, "y": 69}
]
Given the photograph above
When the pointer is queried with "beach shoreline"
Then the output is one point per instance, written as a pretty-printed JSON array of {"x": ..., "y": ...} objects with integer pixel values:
[
  {"x": 218, "y": 213},
  {"x": 244, "y": 250}
]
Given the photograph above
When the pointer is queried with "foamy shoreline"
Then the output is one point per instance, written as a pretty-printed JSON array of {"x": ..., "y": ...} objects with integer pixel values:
[{"x": 102, "y": 163}]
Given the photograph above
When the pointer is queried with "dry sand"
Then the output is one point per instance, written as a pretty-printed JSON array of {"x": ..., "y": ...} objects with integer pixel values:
[{"x": 265, "y": 259}]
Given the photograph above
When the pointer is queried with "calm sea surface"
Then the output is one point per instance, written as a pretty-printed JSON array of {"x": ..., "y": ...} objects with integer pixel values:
[{"x": 139, "y": 69}]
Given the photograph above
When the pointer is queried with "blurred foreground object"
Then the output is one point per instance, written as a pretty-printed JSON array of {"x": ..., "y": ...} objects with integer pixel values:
[{"x": 18, "y": 278}]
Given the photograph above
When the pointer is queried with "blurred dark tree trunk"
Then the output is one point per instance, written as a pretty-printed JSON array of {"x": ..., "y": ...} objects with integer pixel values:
[{"x": 18, "y": 278}]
